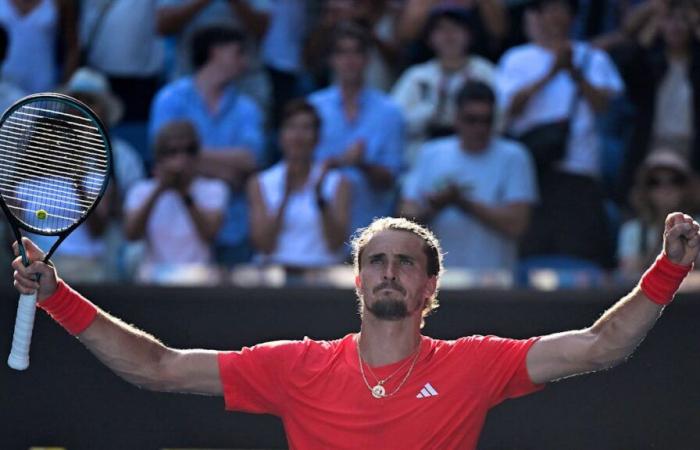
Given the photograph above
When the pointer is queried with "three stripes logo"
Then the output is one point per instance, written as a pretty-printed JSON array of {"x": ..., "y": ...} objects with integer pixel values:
[{"x": 427, "y": 391}]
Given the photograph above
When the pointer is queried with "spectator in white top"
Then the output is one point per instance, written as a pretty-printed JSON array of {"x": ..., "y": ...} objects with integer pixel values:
[
  {"x": 537, "y": 83},
  {"x": 474, "y": 190},
  {"x": 426, "y": 92},
  {"x": 176, "y": 212},
  {"x": 299, "y": 210}
]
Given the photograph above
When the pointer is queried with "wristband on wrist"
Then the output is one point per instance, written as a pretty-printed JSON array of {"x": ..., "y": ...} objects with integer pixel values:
[
  {"x": 661, "y": 281},
  {"x": 71, "y": 310}
]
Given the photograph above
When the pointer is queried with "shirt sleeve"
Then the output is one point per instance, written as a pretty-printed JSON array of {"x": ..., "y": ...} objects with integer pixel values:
[
  {"x": 503, "y": 362},
  {"x": 254, "y": 379}
]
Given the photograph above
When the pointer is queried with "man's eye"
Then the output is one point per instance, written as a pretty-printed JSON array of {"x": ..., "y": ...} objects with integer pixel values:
[{"x": 407, "y": 262}]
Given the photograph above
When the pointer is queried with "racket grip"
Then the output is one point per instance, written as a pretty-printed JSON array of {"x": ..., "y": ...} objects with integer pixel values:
[{"x": 24, "y": 324}]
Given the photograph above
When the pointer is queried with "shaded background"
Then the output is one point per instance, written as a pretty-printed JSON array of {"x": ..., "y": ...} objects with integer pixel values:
[{"x": 67, "y": 398}]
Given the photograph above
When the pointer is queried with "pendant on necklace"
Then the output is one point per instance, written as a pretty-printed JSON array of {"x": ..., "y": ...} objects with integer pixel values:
[{"x": 378, "y": 391}]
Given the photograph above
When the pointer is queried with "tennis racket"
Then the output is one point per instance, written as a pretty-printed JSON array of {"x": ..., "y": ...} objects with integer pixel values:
[{"x": 55, "y": 161}]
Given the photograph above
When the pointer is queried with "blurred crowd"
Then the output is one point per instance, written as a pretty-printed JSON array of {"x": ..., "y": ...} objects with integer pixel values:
[{"x": 529, "y": 135}]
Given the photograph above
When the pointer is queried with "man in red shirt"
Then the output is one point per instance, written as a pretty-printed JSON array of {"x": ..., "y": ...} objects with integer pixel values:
[{"x": 387, "y": 386}]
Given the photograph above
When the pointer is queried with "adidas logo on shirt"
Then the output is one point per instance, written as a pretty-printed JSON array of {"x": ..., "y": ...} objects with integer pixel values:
[{"x": 427, "y": 391}]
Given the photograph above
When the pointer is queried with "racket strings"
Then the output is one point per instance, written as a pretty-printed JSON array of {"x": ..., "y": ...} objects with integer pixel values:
[{"x": 53, "y": 164}]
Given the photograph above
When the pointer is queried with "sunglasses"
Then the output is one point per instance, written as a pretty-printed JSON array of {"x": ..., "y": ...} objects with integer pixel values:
[
  {"x": 673, "y": 180},
  {"x": 476, "y": 119}
]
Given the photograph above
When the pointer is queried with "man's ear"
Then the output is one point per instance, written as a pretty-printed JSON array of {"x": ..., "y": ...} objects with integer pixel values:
[{"x": 430, "y": 287}]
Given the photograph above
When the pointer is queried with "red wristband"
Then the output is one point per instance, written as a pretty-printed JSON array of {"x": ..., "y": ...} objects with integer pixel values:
[
  {"x": 661, "y": 281},
  {"x": 71, "y": 310}
]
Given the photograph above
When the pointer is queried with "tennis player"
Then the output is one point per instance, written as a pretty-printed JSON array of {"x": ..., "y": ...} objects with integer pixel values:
[{"x": 388, "y": 386}]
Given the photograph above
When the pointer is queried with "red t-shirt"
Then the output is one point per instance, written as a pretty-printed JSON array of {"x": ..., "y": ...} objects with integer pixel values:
[{"x": 317, "y": 390}]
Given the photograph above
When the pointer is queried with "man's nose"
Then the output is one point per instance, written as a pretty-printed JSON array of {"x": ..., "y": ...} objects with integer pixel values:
[{"x": 390, "y": 272}]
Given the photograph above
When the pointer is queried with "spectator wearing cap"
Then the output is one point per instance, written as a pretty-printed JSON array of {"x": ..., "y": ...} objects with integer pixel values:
[
  {"x": 664, "y": 183},
  {"x": 92, "y": 88},
  {"x": 228, "y": 123},
  {"x": 91, "y": 253},
  {"x": 362, "y": 129},
  {"x": 427, "y": 92},
  {"x": 177, "y": 213}
]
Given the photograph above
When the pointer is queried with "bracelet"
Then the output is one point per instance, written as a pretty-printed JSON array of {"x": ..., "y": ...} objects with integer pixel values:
[
  {"x": 71, "y": 310},
  {"x": 661, "y": 281}
]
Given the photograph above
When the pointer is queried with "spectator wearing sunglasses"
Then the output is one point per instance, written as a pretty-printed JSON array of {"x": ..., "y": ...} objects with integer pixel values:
[
  {"x": 664, "y": 183},
  {"x": 473, "y": 189}
]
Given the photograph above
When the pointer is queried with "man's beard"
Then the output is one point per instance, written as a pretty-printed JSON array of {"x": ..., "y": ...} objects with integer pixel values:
[{"x": 388, "y": 309}]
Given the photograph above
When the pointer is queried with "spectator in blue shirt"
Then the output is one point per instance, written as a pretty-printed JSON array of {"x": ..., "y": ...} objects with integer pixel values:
[
  {"x": 363, "y": 130},
  {"x": 230, "y": 125}
]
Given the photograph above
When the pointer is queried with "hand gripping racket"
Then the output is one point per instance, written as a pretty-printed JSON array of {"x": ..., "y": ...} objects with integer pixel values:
[{"x": 55, "y": 161}]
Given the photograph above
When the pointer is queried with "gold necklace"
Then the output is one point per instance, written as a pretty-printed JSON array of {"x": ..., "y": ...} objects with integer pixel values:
[{"x": 379, "y": 391}]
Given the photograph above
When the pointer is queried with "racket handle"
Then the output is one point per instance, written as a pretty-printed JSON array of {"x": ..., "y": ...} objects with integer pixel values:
[{"x": 24, "y": 324}]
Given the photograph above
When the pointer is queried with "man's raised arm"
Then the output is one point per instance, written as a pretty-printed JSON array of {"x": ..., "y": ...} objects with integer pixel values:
[
  {"x": 134, "y": 355},
  {"x": 613, "y": 337}
]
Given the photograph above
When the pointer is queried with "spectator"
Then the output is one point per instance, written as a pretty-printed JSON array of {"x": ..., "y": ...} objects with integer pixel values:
[
  {"x": 362, "y": 131},
  {"x": 92, "y": 88},
  {"x": 473, "y": 189},
  {"x": 427, "y": 92},
  {"x": 9, "y": 91},
  {"x": 299, "y": 210},
  {"x": 377, "y": 18},
  {"x": 228, "y": 122},
  {"x": 119, "y": 39},
  {"x": 91, "y": 252},
  {"x": 37, "y": 29},
  {"x": 539, "y": 82},
  {"x": 179, "y": 20},
  {"x": 664, "y": 87},
  {"x": 664, "y": 184},
  {"x": 490, "y": 24},
  {"x": 177, "y": 212}
]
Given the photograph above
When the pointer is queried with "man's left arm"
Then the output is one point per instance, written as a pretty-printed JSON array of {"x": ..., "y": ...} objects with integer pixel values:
[{"x": 613, "y": 337}]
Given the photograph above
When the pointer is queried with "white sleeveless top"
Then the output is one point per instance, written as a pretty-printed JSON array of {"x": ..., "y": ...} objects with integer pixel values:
[
  {"x": 301, "y": 241},
  {"x": 30, "y": 62}
]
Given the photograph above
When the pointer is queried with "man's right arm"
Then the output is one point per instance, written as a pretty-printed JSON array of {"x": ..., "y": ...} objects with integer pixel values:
[
  {"x": 144, "y": 361},
  {"x": 134, "y": 355}
]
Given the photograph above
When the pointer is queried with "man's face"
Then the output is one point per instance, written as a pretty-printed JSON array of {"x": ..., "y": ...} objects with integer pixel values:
[
  {"x": 449, "y": 39},
  {"x": 229, "y": 58},
  {"x": 348, "y": 60},
  {"x": 393, "y": 281},
  {"x": 474, "y": 124},
  {"x": 555, "y": 19}
]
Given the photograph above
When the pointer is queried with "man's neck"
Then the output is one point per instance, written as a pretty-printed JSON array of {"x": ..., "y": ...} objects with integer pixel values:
[
  {"x": 453, "y": 64},
  {"x": 210, "y": 84},
  {"x": 385, "y": 342}
]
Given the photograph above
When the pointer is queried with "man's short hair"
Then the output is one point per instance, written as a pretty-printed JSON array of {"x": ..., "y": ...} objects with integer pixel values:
[
  {"x": 351, "y": 30},
  {"x": 208, "y": 37},
  {"x": 431, "y": 247},
  {"x": 475, "y": 91}
]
